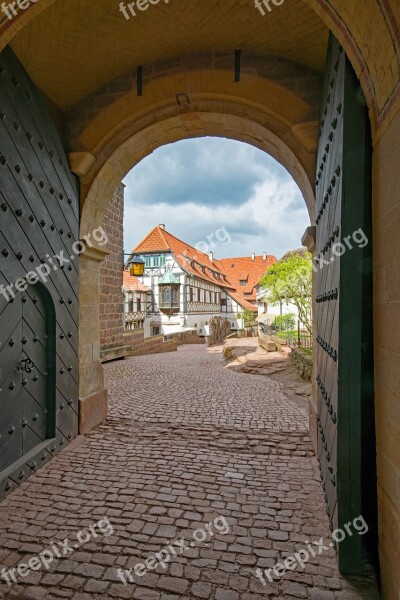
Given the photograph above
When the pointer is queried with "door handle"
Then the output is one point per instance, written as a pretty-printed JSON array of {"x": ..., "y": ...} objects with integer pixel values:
[{"x": 25, "y": 365}]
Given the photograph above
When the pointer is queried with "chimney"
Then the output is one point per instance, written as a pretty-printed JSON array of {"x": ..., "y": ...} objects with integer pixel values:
[
  {"x": 162, "y": 226},
  {"x": 253, "y": 257},
  {"x": 264, "y": 256},
  {"x": 211, "y": 256}
]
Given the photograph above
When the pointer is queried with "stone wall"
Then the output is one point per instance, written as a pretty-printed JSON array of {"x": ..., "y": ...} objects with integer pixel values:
[
  {"x": 137, "y": 345},
  {"x": 111, "y": 276},
  {"x": 302, "y": 362},
  {"x": 386, "y": 225},
  {"x": 114, "y": 341}
]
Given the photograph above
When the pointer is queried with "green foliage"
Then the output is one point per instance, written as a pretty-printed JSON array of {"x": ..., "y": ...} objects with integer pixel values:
[
  {"x": 286, "y": 335},
  {"x": 285, "y": 322},
  {"x": 290, "y": 280},
  {"x": 248, "y": 317}
]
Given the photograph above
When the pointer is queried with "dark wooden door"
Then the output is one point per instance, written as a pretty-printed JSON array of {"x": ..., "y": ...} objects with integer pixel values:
[
  {"x": 27, "y": 392},
  {"x": 39, "y": 223},
  {"x": 346, "y": 444}
]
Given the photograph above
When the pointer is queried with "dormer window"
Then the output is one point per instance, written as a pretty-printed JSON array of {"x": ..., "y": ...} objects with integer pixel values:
[{"x": 154, "y": 261}]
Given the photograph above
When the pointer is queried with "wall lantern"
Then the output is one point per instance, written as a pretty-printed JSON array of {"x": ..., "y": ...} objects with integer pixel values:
[{"x": 136, "y": 267}]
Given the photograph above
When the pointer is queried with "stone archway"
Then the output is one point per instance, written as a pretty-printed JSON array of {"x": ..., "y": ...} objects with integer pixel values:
[
  {"x": 373, "y": 46},
  {"x": 93, "y": 396}
]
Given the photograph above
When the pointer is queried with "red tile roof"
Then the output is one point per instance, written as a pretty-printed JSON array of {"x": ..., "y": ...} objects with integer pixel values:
[
  {"x": 133, "y": 284},
  {"x": 242, "y": 301},
  {"x": 193, "y": 261},
  {"x": 231, "y": 270},
  {"x": 244, "y": 268}
]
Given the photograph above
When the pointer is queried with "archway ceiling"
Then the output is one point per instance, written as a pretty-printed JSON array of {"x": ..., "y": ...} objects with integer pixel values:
[{"x": 76, "y": 46}]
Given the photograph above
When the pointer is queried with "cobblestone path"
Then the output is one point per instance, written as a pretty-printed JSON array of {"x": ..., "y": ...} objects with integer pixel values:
[{"x": 191, "y": 451}]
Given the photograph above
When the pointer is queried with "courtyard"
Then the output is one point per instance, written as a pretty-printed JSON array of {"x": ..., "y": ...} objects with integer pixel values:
[{"x": 190, "y": 451}]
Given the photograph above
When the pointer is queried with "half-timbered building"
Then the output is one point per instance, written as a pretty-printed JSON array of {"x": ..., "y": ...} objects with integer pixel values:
[{"x": 187, "y": 289}]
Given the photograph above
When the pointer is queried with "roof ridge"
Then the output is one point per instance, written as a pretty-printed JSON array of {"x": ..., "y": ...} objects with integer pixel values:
[
  {"x": 157, "y": 227},
  {"x": 162, "y": 231},
  {"x": 248, "y": 257},
  {"x": 198, "y": 254},
  {"x": 186, "y": 244}
]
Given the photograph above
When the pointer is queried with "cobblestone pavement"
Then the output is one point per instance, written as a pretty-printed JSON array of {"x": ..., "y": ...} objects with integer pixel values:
[{"x": 188, "y": 448}]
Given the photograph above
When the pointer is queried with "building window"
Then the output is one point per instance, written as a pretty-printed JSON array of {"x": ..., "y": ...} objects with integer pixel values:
[
  {"x": 154, "y": 261},
  {"x": 169, "y": 296},
  {"x": 138, "y": 305},
  {"x": 156, "y": 330},
  {"x": 166, "y": 296},
  {"x": 190, "y": 294},
  {"x": 242, "y": 282},
  {"x": 223, "y": 301}
]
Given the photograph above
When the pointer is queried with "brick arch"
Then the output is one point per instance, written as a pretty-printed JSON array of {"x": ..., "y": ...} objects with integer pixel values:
[
  {"x": 99, "y": 192},
  {"x": 208, "y": 74},
  {"x": 179, "y": 127},
  {"x": 276, "y": 109}
]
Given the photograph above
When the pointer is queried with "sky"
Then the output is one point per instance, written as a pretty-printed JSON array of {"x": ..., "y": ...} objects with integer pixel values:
[{"x": 215, "y": 194}]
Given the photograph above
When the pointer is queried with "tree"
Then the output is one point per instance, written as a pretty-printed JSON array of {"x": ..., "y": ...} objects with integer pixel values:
[
  {"x": 290, "y": 280},
  {"x": 248, "y": 317},
  {"x": 285, "y": 322}
]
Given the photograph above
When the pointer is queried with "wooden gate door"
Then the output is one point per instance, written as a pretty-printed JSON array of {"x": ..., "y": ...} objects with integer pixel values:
[
  {"x": 39, "y": 211},
  {"x": 346, "y": 444},
  {"x": 28, "y": 385}
]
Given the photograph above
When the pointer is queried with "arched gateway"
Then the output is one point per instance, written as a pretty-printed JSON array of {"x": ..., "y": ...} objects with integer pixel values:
[{"x": 108, "y": 111}]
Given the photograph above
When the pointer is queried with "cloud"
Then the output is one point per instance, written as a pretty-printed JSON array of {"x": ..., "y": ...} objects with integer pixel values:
[{"x": 197, "y": 186}]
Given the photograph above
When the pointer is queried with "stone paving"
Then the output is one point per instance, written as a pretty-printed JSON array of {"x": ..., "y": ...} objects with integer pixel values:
[{"x": 210, "y": 469}]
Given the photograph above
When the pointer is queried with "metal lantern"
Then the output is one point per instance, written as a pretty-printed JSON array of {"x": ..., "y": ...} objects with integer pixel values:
[{"x": 136, "y": 266}]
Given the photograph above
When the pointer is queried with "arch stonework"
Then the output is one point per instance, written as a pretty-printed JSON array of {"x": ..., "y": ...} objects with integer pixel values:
[
  {"x": 98, "y": 192},
  {"x": 276, "y": 96},
  {"x": 217, "y": 122},
  {"x": 111, "y": 131},
  {"x": 372, "y": 43}
]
